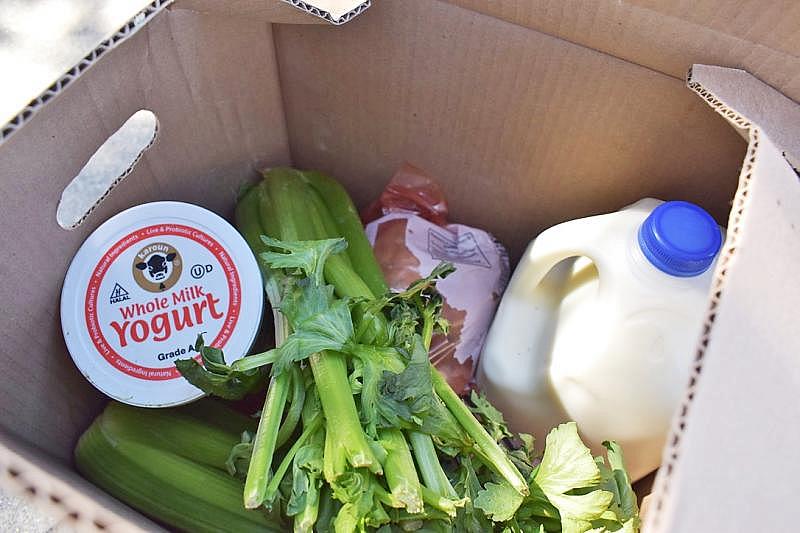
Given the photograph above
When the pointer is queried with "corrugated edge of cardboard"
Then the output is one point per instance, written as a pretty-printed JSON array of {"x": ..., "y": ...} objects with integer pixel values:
[
  {"x": 133, "y": 25},
  {"x": 74, "y": 502},
  {"x": 661, "y": 488},
  {"x": 333, "y": 18}
]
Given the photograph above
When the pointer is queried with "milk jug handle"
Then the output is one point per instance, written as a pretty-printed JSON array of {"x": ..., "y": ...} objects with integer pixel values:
[{"x": 580, "y": 237}]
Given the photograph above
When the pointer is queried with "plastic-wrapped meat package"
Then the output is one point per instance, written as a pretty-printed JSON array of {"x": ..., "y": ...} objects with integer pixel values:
[{"x": 410, "y": 234}]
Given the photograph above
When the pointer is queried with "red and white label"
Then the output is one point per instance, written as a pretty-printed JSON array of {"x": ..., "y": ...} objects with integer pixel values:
[{"x": 153, "y": 292}]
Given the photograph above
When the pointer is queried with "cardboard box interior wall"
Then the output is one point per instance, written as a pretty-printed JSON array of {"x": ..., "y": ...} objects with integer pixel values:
[{"x": 530, "y": 113}]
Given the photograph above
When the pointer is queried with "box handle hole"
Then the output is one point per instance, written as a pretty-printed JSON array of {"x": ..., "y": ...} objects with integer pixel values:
[{"x": 107, "y": 167}]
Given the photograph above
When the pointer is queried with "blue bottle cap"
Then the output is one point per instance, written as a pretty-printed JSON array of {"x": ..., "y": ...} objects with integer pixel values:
[{"x": 680, "y": 238}]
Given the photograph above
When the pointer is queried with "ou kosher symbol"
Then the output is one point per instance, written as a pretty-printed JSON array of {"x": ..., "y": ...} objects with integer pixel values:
[{"x": 198, "y": 271}]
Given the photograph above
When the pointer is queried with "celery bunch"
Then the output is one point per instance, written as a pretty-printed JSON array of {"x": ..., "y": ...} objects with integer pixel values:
[
  {"x": 171, "y": 465},
  {"x": 380, "y": 440},
  {"x": 374, "y": 416}
]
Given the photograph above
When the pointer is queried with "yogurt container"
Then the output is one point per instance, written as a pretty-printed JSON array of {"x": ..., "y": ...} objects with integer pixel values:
[{"x": 144, "y": 285}]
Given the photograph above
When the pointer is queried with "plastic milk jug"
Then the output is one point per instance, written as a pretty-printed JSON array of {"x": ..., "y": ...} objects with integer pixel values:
[{"x": 599, "y": 325}]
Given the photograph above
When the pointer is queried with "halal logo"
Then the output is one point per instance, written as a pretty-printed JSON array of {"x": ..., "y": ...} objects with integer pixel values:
[
  {"x": 157, "y": 267},
  {"x": 118, "y": 294}
]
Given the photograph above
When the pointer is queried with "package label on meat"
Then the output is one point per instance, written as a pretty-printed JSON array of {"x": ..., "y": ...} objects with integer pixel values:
[
  {"x": 408, "y": 247},
  {"x": 459, "y": 247}
]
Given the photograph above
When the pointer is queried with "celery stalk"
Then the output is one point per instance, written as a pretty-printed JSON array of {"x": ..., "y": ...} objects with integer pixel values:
[
  {"x": 249, "y": 224},
  {"x": 491, "y": 451},
  {"x": 305, "y": 520},
  {"x": 264, "y": 442},
  {"x": 345, "y": 215},
  {"x": 217, "y": 414},
  {"x": 165, "y": 486},
  {"x": 429, "y": 466},
  {"x": 334, "y": 459},
  {"x": 283, "y": 467},
  {"x": 170, "y": 431},
  {"x": 295, "y": 409},
  {"x": 296, "y": 220},
  {"x": 441, "y": 503},
  {"x": 249, "y": 221},
  {"x": 343, "y": 425},
  {"x": 254, "y": 218},
  {"x": 343, "y": 271},
  {"x": 302, "y": 217},
  {"x": 400, "y": 472}
]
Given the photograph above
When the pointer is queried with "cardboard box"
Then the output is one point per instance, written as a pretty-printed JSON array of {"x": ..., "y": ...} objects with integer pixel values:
[{"x": 530, "y": 112}]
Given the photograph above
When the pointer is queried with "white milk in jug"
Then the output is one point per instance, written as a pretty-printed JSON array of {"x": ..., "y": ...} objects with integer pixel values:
[{"x": 599, "y": 325}]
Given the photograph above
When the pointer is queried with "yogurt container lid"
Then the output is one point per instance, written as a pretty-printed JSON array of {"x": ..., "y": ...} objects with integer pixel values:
[{"x": 144, "y": 285}]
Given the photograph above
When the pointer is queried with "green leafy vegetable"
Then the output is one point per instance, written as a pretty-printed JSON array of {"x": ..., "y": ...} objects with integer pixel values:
[
  {"x": 169, "y": 464},
  {"x": 308, "y": 256},
  {"x": 624, "y": 497},
  {"x": 470, "y": 518},
  {"x": 238, "y": 459},
  {"x": 499, "y": 501},
  {"x": 214, "y": 376},
  {"x": 358, "y": 430},
  {"x": 407, "y": 396},
  {"x": 567, "y": 465},
  {"x": 319, "y": 323},
  {"x": 492, "y": 418}
]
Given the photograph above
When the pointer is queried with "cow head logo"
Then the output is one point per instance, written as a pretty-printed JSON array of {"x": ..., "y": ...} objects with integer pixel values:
[{"x": 157, "y": 267}]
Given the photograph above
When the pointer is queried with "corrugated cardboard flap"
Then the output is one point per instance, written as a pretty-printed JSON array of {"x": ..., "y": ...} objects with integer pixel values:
[
  {"x": 76, "y": 503},
  {"x": 747, "y": 102},
  {"x": 671, "y": 36},
  {"x": 734, "y": 442},
  {"x": 334, "y": 11},
  {"x": 216, "y": 128},
  {"x": 278, "y": 11},
  {"x": 283, "y": 11},
  {"x": 128, "y": 30}
]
